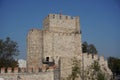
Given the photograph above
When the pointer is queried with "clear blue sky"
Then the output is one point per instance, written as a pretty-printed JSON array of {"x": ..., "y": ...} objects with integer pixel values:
[{"x": 99, "y": 21}]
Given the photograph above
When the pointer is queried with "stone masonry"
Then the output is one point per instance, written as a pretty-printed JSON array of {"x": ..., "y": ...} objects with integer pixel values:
[
  {"x": 21, "y": 74},
  {"x": 50, "y": 50},
  {"x": 59, "y": 41},
  {"x": 60, "y": 37}
]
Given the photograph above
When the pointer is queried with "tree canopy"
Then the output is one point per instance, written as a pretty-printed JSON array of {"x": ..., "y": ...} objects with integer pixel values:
[
  {"x": 8, "y": 50},
  {"x": 89, "y": 48},
  {"x": 114, "y": 65}
]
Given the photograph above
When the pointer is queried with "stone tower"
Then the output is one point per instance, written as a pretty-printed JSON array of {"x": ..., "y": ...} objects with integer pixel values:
[
  {"x": 34, "y": 48},
  {"x": 60, "y": 37}
]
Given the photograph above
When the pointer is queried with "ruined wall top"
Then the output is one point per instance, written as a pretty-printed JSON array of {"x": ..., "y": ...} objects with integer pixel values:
[{"x": 94, "y": 57}]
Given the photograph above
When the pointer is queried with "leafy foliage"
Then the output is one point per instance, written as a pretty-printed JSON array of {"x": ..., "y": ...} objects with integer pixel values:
[
  {"x": 100, "y": 76},
  {"x": 85, "y": 47},
  {"x": 8, "y": 49},
  {"x": 88, "y": 48},
  {"x": 114, "y": 65},
  {"x": 95, "y": 66},
  {"x": 92, "y": 49}
]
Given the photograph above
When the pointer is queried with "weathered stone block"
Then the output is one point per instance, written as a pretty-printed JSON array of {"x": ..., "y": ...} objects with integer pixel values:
[
  {"x": 2, "y": 70},
  {"x": 15, "y": 70},
  {"x": 9, "y": 69}
]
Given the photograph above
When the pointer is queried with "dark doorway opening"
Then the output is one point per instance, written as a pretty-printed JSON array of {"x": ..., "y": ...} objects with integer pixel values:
[{"x": 47, "y": 59}]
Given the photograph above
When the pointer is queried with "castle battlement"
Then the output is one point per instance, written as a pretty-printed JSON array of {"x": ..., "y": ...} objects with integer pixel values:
[
  {"x": 49, "y": 73},
  {"x": 60, "y": 16},
  {"x": 61, "y": 23},
  {"x": 94, "y": 57},
  {"x": 44, "y": 68}
]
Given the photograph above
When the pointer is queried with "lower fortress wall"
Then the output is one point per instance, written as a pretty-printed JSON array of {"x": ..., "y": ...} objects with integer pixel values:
[
  {"x": 50, "y": 74},
  {"x": 28, "y": 76},
  {"x": 86, "y": 61},
  {"x": 61, "y": 72}
]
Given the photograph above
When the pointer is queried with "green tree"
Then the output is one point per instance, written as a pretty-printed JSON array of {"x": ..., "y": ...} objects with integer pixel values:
[
  {"x": 114, "y": 65},
  {"x": 8, "y": 50},
  {"x": 89, "y": 48},
  {"x": 84, "y": 47},
  {"x": 92, "y": 49}
]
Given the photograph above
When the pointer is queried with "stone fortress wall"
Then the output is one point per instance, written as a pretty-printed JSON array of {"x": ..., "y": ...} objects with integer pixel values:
[
  {"x": 53, "y": 73},
  {"x": 88, "y": 59},
  {"x": 44, "y": 73},
  {"x": 85, "y": 60},
  {"x": 50, "y": 50},
  {"x": 59, "y": 37}
]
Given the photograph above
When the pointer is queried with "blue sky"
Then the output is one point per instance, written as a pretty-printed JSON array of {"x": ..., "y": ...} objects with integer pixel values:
[{"x": 99, "y": 21}]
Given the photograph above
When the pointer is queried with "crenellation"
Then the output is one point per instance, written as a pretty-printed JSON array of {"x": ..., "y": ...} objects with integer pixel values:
[
  {"x": 102, "y": 58},
  {"x": 61, "y": 23},
  {"x": 3, "y": 70},
  {"x": 95, "y": 56},
  {"x": 44, "y": 68},
  {"x": 60, "y": 16},
  {"x": 16, "y": 70},
  {"x": 48, "y": 74},
  {"x": 9, "y": 69}
]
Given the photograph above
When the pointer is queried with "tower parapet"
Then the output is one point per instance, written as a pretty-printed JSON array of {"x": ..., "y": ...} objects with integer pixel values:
[{"x": 61, "y": 23}]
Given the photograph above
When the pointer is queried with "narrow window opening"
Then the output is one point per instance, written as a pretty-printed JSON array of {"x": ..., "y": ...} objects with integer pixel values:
[{"x": 47, "y": 59}]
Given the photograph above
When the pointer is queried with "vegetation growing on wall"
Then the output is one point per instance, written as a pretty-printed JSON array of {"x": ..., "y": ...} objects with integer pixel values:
[
  {"x": 94, "y": 72},
  {"x": 75, "y": 69}
]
